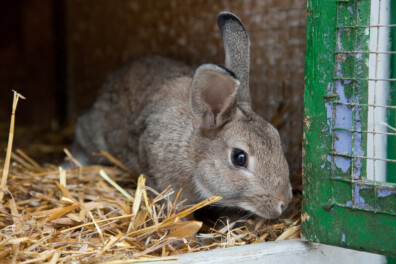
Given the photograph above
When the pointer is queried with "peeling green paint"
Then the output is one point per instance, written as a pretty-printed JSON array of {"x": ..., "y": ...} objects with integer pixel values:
[{"x": 340, "y": 206}]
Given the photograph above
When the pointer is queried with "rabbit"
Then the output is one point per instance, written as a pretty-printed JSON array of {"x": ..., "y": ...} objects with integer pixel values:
[{"x": 193, "y": 130}]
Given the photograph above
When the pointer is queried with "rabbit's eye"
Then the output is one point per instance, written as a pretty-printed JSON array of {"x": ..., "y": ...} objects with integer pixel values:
[{"x": 239, "y": 158}]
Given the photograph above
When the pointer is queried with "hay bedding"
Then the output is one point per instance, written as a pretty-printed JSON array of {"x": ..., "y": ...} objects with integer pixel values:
[{"x": 94, "y": 214}]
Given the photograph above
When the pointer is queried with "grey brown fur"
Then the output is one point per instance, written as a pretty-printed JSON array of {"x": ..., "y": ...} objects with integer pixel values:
[{"x": 179, "y": 127}]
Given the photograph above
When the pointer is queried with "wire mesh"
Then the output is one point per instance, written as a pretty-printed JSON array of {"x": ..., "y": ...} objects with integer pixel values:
[{"x": 361, "y": 105}]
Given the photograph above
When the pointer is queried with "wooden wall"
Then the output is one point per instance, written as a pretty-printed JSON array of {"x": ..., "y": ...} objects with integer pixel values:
[{"x": 27, "y": 59}]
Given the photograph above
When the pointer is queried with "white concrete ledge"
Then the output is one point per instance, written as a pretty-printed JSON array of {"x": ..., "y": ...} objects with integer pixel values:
[{"x": 290, "y": 251}]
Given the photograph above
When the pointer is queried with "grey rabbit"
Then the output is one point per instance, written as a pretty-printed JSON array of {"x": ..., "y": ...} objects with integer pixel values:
[{"x": 191, "y": 130}]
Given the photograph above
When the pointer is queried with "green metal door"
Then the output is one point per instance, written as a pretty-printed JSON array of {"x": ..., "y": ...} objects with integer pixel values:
[{"x": 349, "y": 146}]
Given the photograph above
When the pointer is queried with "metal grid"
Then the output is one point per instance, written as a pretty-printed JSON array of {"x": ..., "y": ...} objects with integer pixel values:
[{"x": 359, "y": 107}]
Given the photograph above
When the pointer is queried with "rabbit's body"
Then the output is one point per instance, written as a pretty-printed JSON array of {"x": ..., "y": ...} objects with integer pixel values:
[
  {"x": 195, "y": 132},
  {"x": 147, "y": 121},
  {"x": 128, "y": 101}
]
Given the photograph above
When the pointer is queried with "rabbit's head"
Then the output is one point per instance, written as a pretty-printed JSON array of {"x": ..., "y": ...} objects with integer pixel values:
[{"x": 238, "y": 155}]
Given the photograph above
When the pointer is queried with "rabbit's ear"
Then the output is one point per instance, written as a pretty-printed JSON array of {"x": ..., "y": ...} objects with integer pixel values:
[
  {"x": 213, "y": 95},
  {"x": 237, "y": 51}
]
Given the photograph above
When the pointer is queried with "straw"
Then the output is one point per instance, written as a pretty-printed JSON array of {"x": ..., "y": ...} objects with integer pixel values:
[
  {"x": 9, "y": 145},
  {"x": 53, "y": 215}
]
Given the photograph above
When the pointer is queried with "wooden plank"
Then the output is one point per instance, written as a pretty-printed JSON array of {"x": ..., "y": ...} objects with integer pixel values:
[{"x": 288, "y": 251}]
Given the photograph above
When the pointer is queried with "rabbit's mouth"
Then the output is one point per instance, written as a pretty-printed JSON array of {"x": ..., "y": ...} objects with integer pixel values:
[{"x": 269, "y": 208}]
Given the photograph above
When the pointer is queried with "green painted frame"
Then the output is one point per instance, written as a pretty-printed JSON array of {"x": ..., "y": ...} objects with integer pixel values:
[{"x": 332, "y": 209}]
